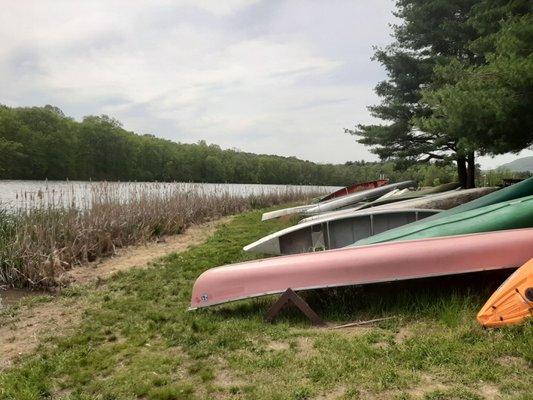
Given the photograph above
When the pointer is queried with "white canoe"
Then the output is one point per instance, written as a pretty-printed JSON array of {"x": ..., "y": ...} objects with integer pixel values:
[
  {"x": 358, "y": 197},
  {"x": 439, "y": 201},
  {"x": 339, "y": 202}
]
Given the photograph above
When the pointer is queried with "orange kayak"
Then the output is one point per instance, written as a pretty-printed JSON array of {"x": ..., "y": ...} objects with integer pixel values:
[{"x": 512, "y": 302}]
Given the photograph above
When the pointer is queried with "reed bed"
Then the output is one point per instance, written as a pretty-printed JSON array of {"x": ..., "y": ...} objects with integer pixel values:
[{"x": 53, "y": 231}]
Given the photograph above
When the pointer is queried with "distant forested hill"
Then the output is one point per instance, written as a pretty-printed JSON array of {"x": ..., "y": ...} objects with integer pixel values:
[
  {"x": 520, "y": 165},
  {"x": 43, "y": 143}
]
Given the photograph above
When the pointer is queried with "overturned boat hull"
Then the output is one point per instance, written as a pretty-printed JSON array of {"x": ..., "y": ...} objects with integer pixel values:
[
  {"x": 414, "y": 194},
  {"x": 335, "y": 232},
  {"x": 340, "y": 202},
  {"x": 516, "y": 191},
  {"x": 357, "y": 187},
  {"x": 363, "y": 265},
  {"x": 512, "y": 214},
  {"x": 440, "y": 201},
  {"x": 358, "y": 197}
]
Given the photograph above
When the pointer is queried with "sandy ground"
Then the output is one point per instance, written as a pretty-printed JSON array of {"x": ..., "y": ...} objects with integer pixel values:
[{"x": 21, "y": 333}]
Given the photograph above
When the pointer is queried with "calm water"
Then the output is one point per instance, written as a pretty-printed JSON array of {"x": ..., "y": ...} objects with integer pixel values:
[{"x": 22, "y": 194}]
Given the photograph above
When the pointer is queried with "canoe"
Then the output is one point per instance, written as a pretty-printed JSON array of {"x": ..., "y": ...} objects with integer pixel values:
[
  {"x": 512, "y": 214},
  {"x": 357, "y": 187},
  {"x": 516, "y": 191},
  {"x": 333, "y": 204},
  {"x": 512, "y": 302},
  {"x": 439, "y": 201},
  {"x": 358, "y": 197},
  {"x": 362, "y": 265},
  {"x": 334, "y": 232},
  {"x": 415, "y": 194},
  {"x": 285, "y": 211}
]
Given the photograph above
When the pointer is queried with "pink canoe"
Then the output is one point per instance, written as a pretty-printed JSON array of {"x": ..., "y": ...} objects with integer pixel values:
[{"x": 366, "y": 264}]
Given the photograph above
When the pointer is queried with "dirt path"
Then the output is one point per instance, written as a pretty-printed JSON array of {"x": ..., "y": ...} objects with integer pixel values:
[
  {"x": 142, "y": 255},
  {"x": 21, "y": 333}
]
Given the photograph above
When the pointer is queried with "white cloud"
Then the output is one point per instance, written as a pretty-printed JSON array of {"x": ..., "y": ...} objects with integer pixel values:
[{"x": 269, "y": 77}]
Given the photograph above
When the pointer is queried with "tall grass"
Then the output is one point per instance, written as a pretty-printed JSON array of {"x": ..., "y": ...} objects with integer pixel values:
[{"x": 44, "y": 237}]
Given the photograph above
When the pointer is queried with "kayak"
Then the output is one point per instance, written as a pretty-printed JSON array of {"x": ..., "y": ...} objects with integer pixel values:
[
  {"x": 357, "y": 187},
  {"x": 358, "y": 197},
  {"x": 363, "y": 265},
  {"x": 512, "y": 214},
  {"x": 334, "y": 232},
  {"x": 512, "y": 302},
  {"x": 439, "y": 201},
  {"x": 362, "y": 196}
]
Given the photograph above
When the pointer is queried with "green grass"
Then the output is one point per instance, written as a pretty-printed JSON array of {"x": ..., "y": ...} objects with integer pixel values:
[{"x": 137, "y": 341}]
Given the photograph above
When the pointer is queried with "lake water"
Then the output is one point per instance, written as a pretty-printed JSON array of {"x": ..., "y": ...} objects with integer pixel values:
[{"x": 21, "y": 194}]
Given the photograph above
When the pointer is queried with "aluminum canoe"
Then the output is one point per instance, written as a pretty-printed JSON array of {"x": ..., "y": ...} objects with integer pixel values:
[
  {"x": 335, "y": 232},
  {"x": 363, "y": 265}
]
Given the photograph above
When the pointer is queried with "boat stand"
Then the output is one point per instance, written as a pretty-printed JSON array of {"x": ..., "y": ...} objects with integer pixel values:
[{"x": 288, "y": 298}]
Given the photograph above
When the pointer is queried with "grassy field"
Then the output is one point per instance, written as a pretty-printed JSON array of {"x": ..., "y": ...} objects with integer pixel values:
[{"x": 137, "y": 341}]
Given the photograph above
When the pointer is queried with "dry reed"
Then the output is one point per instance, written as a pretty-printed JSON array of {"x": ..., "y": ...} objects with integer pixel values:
[{"x": 53, "y": 231}]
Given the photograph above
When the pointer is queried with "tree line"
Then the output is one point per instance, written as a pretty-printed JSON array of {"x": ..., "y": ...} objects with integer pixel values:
[
  {"x": 43, "y": 143},
  {"x": 460, "y": 84}
]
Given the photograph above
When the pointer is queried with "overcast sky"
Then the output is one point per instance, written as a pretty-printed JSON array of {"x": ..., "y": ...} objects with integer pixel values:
[{"x": 277, "y": 77}]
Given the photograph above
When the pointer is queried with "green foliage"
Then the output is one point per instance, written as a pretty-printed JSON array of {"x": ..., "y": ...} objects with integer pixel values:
[
  {"x": 460, "y": 83},
  {"x": 430, "y": 33},
  {"x": 488, "y": 107},
  {"x": 136, "y": 339},
  {"x": 41, "y": 143}
]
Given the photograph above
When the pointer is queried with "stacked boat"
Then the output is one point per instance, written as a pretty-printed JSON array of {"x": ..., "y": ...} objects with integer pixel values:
[{"x": 382, "y": 234}]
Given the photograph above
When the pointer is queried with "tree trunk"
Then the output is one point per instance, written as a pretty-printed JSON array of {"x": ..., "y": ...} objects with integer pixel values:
[
  {"x": 471, "y": 173},
  {"x": 461, "y": 171}
]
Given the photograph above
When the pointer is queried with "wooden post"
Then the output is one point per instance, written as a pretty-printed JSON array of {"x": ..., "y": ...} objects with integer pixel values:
[{"x": 289, "y": 297}]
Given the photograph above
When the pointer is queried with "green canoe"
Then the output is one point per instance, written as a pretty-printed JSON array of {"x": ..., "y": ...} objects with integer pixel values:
[
  {"x": 518, "y": 190},
  {"x": 512, "y": 214}
]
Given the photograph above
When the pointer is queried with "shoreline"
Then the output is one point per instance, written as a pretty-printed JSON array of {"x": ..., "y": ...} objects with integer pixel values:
[
  {"x": 21, "y": 333},
  {"x": 125, "y": 258}
]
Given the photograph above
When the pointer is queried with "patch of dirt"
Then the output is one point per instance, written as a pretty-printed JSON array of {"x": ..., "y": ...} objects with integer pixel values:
[
  {"x": 21, "y": 333},
  {"x": 380, "y": 345},
  {"x": 278, "y": 346},
  {"x": 403, "y": 334},
  {"x": 140, "y": 256},
  {"x": 489, "y": 392},
  {"x": 357, "y": 330},
  {"x": 224, "y": 379},
  {"x": 306, "y": 346},
  {"x": 336, "y": 393},
  {"x": 516, "y": 362},
  {"x": 427, "y": 384}
]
